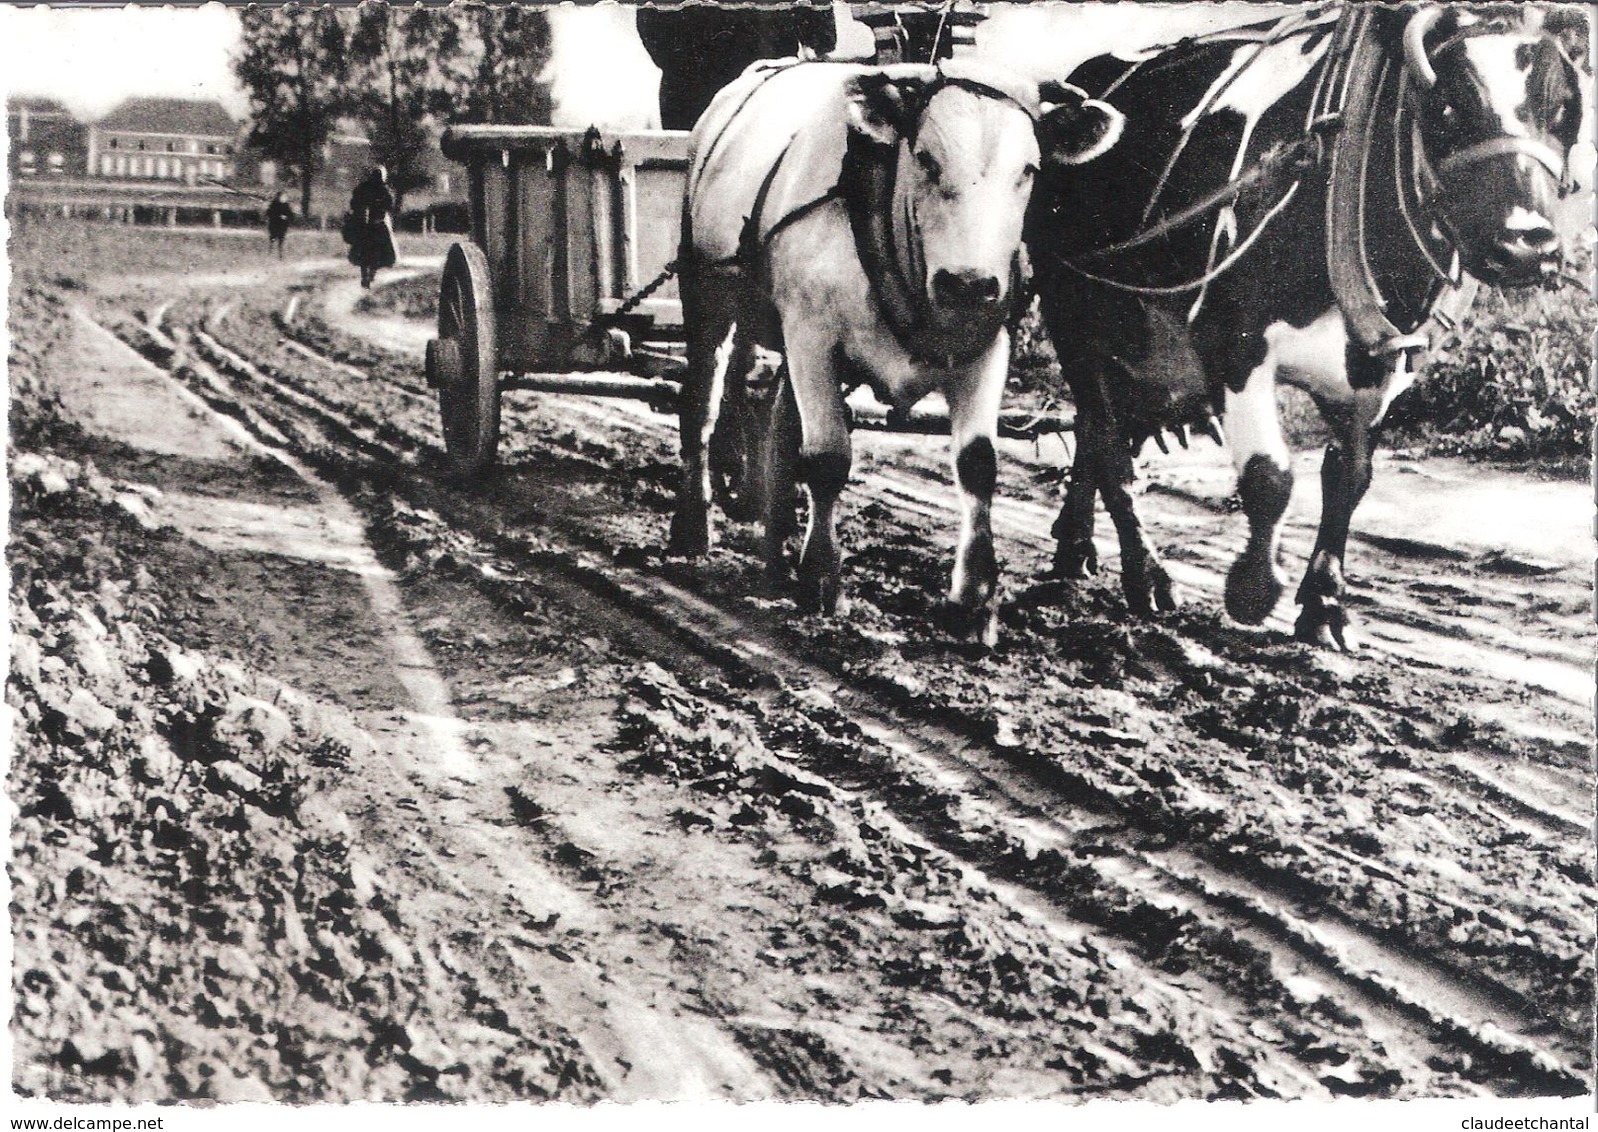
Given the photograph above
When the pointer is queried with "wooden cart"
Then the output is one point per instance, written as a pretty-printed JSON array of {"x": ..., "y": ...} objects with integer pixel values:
[
  {"x": 567, "y": 226},
  {"x": 565, "y": 286}
]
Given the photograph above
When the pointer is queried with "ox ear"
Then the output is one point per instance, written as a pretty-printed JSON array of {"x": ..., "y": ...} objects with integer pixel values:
[
  {"x": 885, "y": 108},
  {"x": 1074, "y": 129}
]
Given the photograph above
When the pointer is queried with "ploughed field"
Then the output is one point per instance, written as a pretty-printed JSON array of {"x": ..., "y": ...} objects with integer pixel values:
[{"x": 338, "y": 779}]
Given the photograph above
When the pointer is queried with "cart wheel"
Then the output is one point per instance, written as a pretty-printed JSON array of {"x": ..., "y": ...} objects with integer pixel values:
[{"x": 463, "y": 362}]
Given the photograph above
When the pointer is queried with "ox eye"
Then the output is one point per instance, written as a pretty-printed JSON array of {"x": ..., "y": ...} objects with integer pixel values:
[{"x": 929, "y": 165}]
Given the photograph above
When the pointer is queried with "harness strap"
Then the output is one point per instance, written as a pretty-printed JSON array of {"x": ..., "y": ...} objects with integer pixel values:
[
  {"x": 1347, "y": 264},
  {"x": 1210, "y": 276},
  {"x": 769, "y": 71},
  {"x": 1408, "y": 189},
  {"x": 866, "y": 186},
  {"x": 1226, "y": 194},
  {"x": 1539, "y": 152}
]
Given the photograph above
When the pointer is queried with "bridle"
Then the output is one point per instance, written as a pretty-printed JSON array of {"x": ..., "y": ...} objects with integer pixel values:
[
  {"x": 886, "y": 238},
  {"x": 1423, "y": 77}
]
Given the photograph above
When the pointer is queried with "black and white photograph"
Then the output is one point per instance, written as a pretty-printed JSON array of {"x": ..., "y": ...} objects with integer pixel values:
[{"x": 801, "y": 552}]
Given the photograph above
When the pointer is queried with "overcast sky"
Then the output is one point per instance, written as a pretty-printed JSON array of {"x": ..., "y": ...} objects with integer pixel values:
[{"x": 92, "y": 58}]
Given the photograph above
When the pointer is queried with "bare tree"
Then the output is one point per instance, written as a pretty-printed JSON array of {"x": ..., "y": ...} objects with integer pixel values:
[
  {"x": 498, "y": 74},
  {"x": 292, "y": 67},
  {"x": 399, "y": 57}
]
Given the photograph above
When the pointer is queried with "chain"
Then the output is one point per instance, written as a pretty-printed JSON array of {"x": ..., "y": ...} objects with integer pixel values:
[{"x": 642, "y": 295}]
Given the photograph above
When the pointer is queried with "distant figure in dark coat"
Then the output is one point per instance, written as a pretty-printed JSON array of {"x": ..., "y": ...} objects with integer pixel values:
[
  {"x": 370, "y": 232},
  {"x": 279, "y": 215}
]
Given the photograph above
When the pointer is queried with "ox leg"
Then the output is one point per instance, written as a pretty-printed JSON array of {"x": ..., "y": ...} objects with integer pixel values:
[
  {"x": 973, "y": 427},
  {"x": 781, "y": 478},
  {"x": 1075, "y": 556},
  {"x": 1144, "y": 579},
  {"x": 1102, "y": 443},
  {"x": 823, "y": 463},
  {"x": 1265, "y": 483},
  {"x": 1345, "y": 476},
  {"x": 709, "y": 306}
]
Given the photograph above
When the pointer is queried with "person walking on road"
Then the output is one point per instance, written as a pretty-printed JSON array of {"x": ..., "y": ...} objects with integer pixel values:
[
  {"x": 368, "y": 229},
  {"x": 279, "y": 215}
]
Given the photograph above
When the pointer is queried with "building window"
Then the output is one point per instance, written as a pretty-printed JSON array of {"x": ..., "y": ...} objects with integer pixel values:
[
  {"x": 160, "y": 167},
  {"x": 112, "y": 143},
  {"x": 58, "y": 163},
  {"x": 170, "y": 146},
  {"x": 141, "y": 146},
  {"x": 210, "y": 149},
  {"x": 107, "y": 165},
  {"x": 25, "y": 161}
]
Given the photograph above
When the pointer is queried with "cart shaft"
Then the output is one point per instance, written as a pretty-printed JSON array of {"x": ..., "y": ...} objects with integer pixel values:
[{"x": 662, "y": 394}]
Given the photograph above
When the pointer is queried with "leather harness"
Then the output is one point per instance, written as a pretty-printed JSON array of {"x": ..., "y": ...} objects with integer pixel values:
[
  {"x": 884, "y": 241},
  {"x": 1344, "y": 108}
]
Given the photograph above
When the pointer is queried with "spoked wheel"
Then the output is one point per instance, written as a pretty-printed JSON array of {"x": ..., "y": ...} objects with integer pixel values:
[{"x": 463, "y": 362}]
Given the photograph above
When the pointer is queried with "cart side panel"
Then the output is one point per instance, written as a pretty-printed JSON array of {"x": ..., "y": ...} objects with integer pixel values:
[
  {"x": 658, "y": 223},
  {"x": 531, "y": 312},
  {"x": 573, "y": 224},
  {"x": 647, "y": 194},
  {"x": 491, "y": 228},
  {"x": 579, "y": 292}
]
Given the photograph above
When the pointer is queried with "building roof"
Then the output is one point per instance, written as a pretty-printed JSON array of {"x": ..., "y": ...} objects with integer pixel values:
[
  {"x": 145, "y": 115},
  {"x": 36, "y": 104}
]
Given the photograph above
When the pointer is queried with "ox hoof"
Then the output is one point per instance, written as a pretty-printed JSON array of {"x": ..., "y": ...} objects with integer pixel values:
[
  {"x": 1323, "y": 622},
  {"x": 776, "y": 577},
  {"x": 976, "y": 623},
  {"x": 690, "y": 535},
  {"x": 820, "y": 597},
  {"x": 1154, "y": 591},
  {"x": 1253, "y": 587},
  {"x": 1074, "y": 564}
]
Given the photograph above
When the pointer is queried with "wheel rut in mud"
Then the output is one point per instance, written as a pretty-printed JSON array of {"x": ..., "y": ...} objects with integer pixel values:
[{"x": 1298, "y": 873}]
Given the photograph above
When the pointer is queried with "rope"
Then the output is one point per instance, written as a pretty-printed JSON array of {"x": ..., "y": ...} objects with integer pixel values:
[
  {"x": 1287, "y": 28},
  {"x": 1295, "y": 153},
  {"x": 1226, "y": 194},
  {"x": 1209, "y": 276}
]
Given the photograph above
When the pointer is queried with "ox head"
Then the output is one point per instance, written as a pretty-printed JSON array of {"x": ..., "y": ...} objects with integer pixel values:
[
  {"x": 1499, "y": 110},
  {"x": 967, "y": 154}
]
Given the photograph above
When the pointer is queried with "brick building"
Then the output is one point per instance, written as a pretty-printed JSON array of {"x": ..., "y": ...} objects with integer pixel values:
[
  {"x": 47, "y": 140},
  {"x": 177, "y": 161},
  {"x": 165, "y": 139}
]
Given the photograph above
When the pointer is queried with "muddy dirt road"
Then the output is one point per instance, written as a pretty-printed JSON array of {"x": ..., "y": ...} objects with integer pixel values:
[{"x": 633, "y": 830}]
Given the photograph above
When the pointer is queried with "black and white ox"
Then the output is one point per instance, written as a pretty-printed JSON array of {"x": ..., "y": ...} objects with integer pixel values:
[
  {"x": 866, "y": 224},
  {"x": 1490, "y": 104}
]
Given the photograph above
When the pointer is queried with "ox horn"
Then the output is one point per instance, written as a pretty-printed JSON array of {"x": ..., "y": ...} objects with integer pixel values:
[{"x": 1415, "y": 32}]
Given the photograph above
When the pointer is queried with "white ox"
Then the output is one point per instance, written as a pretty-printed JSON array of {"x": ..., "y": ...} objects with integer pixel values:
[{"x": 800, "y": 175}]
